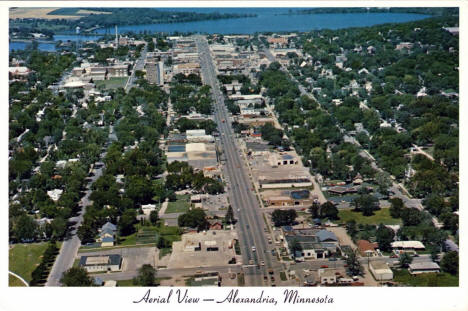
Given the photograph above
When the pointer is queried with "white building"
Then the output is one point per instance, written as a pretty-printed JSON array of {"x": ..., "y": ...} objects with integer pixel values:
[{"x": 380, "y": 271}]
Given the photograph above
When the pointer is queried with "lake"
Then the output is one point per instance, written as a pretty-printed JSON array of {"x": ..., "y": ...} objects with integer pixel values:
[{"x": 267, "y": 20}]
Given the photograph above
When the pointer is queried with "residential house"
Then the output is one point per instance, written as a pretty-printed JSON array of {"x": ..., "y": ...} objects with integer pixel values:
[{"x": 366, "y": 248}]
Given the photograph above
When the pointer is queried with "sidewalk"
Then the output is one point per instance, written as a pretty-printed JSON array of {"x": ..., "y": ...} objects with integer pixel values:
[{"x": 163, "y": 208}]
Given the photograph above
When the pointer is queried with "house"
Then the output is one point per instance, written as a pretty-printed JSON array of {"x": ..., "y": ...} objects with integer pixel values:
[
  {"x": 55, "y": 194},
  {"x": 215, "y": 224},
  {"x": 327, "y": 276},
  {"x": 101, "y": 263},
  {"x": 366, "y": 248},
  {"x": 326, "y": 236},
  {"x": 380, "y": 270},
  {"x": 423, "y": 267},
  {"x": 408, "y": 245},
  {"x": 107, "y": 234},
  {"x": 20, "y": 72},
  {"x": 315, "y": 243},
  {"x": 109, "y": 225},
  {"x": 148, "y": 208},
  {"x": 107, "y": 241}
]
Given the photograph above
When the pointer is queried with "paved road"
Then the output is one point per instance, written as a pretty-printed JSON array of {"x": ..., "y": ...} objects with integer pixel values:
[
  {"x": 250, "y": 226},
  {"x": 128, "y": 275},
  {"x": 139, "y": 65},
  {"x": 69, "y": 249}
]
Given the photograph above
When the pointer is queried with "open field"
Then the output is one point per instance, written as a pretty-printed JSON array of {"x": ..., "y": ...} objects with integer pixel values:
[
  {"x": 23, "y": 258},
  {"x": 425, "y": 279},
  {"x": 112, "y": 83},
  {"x": 38, "y": 13},
  {"x": 181, "y": 205},
  {"x": 44, "y": 13},
  {"x": 380, "y": 216},
  {"x": 14, "y": 281}
]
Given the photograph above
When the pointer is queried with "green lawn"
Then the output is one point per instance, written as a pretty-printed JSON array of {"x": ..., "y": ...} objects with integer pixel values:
[
  {"x": 425, "y": 279},
  {"x": 181, "y": 205},
  {"x": 380, "y": 216},
  {"x": 112, "y": 83},
  {"x": 283, "y": 276},
  {"x": 23, "y": 258},
  {"x": 13, "y": 281},
  {"x": 129, "y": 283}
]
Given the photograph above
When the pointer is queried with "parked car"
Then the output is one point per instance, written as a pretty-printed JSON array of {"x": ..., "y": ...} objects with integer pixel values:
[{"x": 323, "y": 266}]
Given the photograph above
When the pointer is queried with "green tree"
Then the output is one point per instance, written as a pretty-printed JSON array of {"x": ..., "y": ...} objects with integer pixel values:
[
  {"x": 449, "y": 263},
  {"x": 229, "y": 215},
  {"x": 396, "y": 207},
  {"x": 86, "y": 233},
  {"x": 195, "y": 218},
  {"x": 384, "y": 237},
  {"x": 329, "y": 210},
  {"x": 354, "y": 266},
  {"x": 283, "y": 217},
  {"x": 25, "y": 228},
  {"x": 351, "y": 228},
  {"x": 314, "y": 209},
  {"x": 383, "y": 181},
  {"x": 59, "y": 227},
  {"x": 295, "y": 246},
  {"x": 405, "y": 260},
  {"x": 366, "y": 203},
  {"x": 146, "y": 276},
  {"x": 154, "y": 217},
  {"x": 76, "y": 276},
  {"x": 127, "y": 222}
]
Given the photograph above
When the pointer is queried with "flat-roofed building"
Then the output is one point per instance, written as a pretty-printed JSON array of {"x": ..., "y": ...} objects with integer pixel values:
[
  {"x": 155, "y": 72},
  {"x": 187, "y": 68},
  {"x": 408, "y": 245},
  {"x": 380, "y": 270},
  {"x": 423, "y": 267},
  {"x": 101, "y": 263}
]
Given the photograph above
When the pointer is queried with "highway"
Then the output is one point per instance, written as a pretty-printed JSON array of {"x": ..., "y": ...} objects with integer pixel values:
[{"x": 250, "y": 225}]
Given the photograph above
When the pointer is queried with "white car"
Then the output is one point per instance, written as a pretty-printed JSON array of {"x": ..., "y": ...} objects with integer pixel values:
[{"x": 253, "y": 249}]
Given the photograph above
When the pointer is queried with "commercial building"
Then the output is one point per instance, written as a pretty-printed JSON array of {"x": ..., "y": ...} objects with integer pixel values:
[
  {"x": 366, "y": 248},
  {"x": 423, "y": 267},
  {"x": 94, "y": 264},
  {"x": 408, "y": 245},
  {"x": 155, "y": 72},
  {"x": 380, "y": 270}
]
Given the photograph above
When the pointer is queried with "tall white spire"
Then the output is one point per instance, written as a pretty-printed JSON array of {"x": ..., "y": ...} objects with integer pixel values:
[{"x": 116, "y": 37}]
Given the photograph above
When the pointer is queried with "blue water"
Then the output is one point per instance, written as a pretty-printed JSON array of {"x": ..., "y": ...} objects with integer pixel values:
[{"x": 267, "y": 20}]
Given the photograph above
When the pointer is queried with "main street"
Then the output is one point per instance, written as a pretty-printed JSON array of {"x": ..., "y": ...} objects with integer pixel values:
[{"x": 250, "y": 225}]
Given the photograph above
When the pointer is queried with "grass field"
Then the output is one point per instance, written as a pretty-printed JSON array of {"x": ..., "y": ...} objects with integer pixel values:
[
  {"x": 425, "y": 279},
  {"x": 23, "y": 258},
  {"x": 129, "y": 283},
  {"x": 45, "y": 13},
  {"x": 13, "y": 281},
  {"x": 112, "y": 83},
  {"x": 380, "y": 216},
  {"x": 181, "y": 205}
]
